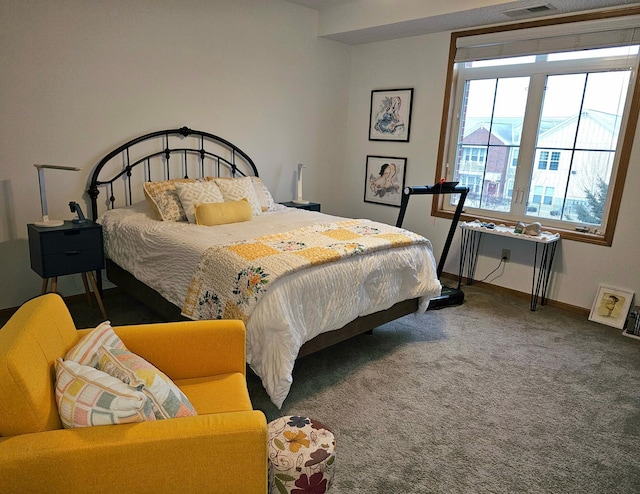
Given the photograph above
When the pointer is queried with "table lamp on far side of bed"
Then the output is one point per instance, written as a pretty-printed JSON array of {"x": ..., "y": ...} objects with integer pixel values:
[
  {"x": 299, "y": 199},
  {"x": 46, "y": 222}
]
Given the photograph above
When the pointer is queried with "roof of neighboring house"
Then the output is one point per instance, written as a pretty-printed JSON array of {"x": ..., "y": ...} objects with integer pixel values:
[
  {"x": 608, "y": 121},
  {"x": 508, "y": 129}
]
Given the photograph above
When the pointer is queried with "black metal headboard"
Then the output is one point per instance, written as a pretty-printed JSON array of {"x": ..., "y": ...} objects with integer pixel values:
[{"x": 163, "y": 155}]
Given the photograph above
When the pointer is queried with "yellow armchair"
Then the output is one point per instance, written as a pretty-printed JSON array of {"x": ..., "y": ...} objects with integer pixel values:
[{"x": 221, "y": 450}]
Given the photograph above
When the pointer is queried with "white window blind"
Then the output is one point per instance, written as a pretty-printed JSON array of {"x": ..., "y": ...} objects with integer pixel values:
[{"x": 556, "y": 38}]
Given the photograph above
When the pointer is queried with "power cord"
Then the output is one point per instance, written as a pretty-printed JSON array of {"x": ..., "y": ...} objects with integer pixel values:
[{"x": 497, "y": 267}]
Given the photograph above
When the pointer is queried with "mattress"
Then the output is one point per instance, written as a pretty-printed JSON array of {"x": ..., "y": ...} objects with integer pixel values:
[{"x": 164, "y": 256}]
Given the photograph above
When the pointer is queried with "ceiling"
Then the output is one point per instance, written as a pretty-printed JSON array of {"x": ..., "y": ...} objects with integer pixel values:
[{"x": 366, "y": 21}]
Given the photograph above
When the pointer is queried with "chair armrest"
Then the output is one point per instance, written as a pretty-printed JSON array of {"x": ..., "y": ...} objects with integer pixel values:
[
  {"x": 188, "y": 349},
  {"x": 223, "y": 453}
]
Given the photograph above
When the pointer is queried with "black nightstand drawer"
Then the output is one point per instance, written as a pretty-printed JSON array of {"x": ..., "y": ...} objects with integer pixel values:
[
  {"x": 72, "y": 261},
  {"x": 71, "y": 248},
  {"x": 62, "y": 241}
]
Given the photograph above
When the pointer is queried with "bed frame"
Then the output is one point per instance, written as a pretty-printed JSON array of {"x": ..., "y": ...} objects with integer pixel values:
[{"x": 187, "y": 153}]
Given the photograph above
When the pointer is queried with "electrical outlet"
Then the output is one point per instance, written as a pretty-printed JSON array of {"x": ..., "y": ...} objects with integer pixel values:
[{"x": 506, "y": 255}]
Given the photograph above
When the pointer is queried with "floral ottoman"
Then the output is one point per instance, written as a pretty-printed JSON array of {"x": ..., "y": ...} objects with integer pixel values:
[{"x": 302, "y": 455}]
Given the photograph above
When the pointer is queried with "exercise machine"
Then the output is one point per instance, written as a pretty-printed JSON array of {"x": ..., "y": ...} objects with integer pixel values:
[{"x": 449, "y": 296}]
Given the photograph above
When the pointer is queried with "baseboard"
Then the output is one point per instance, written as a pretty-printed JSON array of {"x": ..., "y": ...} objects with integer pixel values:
[
  {"x": 453, "y": 278},
  {"x": 7, "y": 313}
]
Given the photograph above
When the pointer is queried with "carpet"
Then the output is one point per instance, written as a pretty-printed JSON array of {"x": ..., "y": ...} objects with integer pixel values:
[{"x": 484, "y": 397}]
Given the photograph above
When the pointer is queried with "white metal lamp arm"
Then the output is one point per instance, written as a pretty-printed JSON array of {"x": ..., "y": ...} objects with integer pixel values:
[{"x": 46, "y": 222}]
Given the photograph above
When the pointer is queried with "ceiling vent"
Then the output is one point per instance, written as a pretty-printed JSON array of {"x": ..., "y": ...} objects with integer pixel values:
[{"x": 526, "y": 11}]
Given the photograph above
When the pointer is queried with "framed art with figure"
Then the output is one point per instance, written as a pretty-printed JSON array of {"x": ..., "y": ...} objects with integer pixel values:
[
  {"x": 384, "y": 180},
  {"x": 390, "y": 118},
  {"x": 611, "y": 306}
]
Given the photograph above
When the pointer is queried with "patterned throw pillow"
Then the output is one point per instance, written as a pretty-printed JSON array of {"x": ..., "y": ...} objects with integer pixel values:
[
  {"x": 192, "y": 194},
  {"x": 164, "y": 198},
  {"x": 167, "y": 399},
  {"x": 236, "y": 189},
  {"x": 85, "y": 351},
  {"x": 264, "y": 196},
  {"x": 87, "y": 397}
]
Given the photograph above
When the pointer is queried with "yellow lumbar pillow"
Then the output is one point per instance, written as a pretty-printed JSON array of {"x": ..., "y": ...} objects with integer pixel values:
[{"x": 221, "y": 213}]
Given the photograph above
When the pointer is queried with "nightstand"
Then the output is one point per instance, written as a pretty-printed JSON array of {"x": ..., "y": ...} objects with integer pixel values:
[
  {"x": 312, "y": 206},
  {"x": 67, "y": 249}
]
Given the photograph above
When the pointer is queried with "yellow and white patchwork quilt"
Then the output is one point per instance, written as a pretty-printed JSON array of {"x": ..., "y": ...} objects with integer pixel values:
[
  {"x": 231, "y": 279},
  {"x": 349, "y": 269}
]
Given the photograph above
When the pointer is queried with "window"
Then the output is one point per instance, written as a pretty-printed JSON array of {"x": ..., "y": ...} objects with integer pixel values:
[
  {"x": 514, "y": 157},
  {"x": 550, "y": 159},
  {"x": 548, "y": 195},
  {"x": 543, "y": 160},
  {"x": 543, "y": 122},
  {"x": 555, "y": 160},
  {"x": 537, "y": 194}
]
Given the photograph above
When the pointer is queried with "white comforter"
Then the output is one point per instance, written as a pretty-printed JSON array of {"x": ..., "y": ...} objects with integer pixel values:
[{"x": 164, "y": 256}]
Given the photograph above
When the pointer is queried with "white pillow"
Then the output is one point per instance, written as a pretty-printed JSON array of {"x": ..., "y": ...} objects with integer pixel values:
[
  {"x": 192, "y": 194},
  {"x": 236, "y": 189},
  {"x": 264, "y": 196}
]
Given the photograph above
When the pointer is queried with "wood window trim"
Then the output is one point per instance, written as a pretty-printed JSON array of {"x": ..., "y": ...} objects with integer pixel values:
[{"x": 625, "y": 151}]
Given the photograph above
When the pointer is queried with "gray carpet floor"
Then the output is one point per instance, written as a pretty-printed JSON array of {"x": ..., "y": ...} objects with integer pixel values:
[{"x": 484, "y": 397}]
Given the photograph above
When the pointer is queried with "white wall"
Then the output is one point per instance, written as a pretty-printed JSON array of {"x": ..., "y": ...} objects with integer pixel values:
[
  {"x": 80, "y": 78},
  {"x": 421, "y": 62}
]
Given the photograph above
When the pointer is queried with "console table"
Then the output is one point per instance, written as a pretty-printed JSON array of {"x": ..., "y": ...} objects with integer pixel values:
[{"x": 472, "y": 233}]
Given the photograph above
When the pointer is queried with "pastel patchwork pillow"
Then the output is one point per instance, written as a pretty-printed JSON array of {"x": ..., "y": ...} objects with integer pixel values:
[
  {"x": 236, "y": 189},
  {"x": 87, "y": 397},
  {"x": 167, "y": 399},
  {"x": 85, "y": 352},
  {"x": 222, "y": 213},
  {"x": 264, "y": 196},
  {"x": 192, "y": 194},
  {"x": 165, "y": 200}
]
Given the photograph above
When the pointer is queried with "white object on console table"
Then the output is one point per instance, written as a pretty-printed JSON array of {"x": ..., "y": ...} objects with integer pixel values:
[{"x": 543, "y": 237}]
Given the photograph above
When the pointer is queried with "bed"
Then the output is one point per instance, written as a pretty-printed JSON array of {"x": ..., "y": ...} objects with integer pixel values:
[{"x": 344, "y": 277}]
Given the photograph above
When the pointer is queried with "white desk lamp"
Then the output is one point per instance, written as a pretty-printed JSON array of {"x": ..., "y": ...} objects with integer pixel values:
[
  {"x": 46, "y": 222},
  {"x": 299, "y": 199}
]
